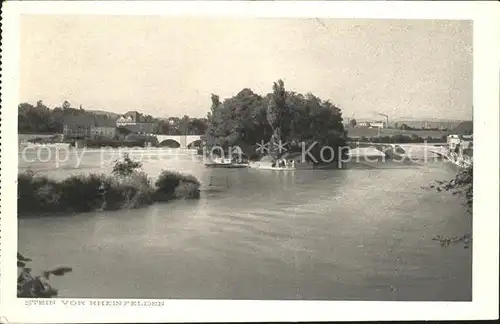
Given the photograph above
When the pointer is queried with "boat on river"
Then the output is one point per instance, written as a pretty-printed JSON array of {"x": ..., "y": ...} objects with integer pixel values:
[{"x": 228, "y": 163}]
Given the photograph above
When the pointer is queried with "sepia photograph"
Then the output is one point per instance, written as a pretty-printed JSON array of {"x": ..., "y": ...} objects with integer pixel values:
[{"x": 174, "y": 157}]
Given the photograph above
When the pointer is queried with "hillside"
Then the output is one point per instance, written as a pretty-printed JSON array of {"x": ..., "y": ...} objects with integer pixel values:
[
  {"x": 102, "y": 112},
  {"x": 466, "y": 127}
]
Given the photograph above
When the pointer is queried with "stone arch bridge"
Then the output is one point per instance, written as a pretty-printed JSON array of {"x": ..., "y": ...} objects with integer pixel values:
[{"x": 184, "y": 141}]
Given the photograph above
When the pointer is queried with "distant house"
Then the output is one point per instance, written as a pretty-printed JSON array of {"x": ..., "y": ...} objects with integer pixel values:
[
  {"x": 78, "y": 127},
  {"x": 140, "y": 128},
  {"x": 134, "y": 123},
  {"x": 103, "y": 128},
  {"x": 129, "y": 118},
  {"x": 371, "y": 123},
  {"x": 377, "y": 124},
  {"x": 88, "y": 127}
]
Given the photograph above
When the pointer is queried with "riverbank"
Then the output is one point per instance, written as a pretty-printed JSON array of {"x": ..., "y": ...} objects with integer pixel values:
[
  {"x": 412, "y": 138},
  {"x": 40, "y": 195}
]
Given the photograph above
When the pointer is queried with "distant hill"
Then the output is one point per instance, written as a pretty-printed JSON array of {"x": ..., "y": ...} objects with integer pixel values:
[
  {"x": 430, "y": 119},
  {"x": 418, "y": 123},
  {"x": 102, "y": 112},
  {"x": 429, "y": 123},
  {"x": 466, "y": 128}
]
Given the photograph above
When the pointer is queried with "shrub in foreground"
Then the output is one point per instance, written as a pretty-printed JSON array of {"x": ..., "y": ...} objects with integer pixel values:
[
  {"x": 37, "y": 193},
  {"x": 126, "y": 167},
  {"x": 187, "y": 190},
  {"x": 79, "y": 193},
  {"x": 93, "y": 192},
  {"x": 132, "y": 191},
  {"x": 171, "y": 185}
]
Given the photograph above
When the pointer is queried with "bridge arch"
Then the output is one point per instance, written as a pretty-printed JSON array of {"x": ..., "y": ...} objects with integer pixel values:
[
  {"x": 184, "y": 141},
  {"x": 170, "y": 143},
  {"x": 195, "y": 144}
]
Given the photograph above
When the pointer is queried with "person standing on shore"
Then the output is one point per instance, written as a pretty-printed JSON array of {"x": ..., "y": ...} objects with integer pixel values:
[{"x": 102, "y": 192}]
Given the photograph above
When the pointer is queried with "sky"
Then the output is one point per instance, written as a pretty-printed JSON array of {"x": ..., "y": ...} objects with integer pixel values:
[{"x": 169, "y": 66}]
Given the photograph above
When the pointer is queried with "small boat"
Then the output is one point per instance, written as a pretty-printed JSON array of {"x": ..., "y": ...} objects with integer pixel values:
[{"x": 226, "y": 163}]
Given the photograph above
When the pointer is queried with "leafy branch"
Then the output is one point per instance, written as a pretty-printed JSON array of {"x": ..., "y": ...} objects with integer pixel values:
[
  {"x": 36, "y": 286},
  {"x": 461, "y": 185},
  {"x": 126, "y": 167}
]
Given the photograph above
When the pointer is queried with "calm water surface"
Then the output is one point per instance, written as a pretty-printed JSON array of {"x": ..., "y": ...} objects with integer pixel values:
[{"x": 357, "y": 234}]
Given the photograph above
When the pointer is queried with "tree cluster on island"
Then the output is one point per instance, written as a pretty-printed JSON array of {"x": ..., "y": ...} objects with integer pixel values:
[{"x": 295, "y": 119}]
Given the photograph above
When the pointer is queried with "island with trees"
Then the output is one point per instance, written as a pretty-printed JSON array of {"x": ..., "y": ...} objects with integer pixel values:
[{"x": 284, "y": 119}]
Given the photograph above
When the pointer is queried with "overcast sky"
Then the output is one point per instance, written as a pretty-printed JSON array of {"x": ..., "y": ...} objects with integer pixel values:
[{"x": 170, "y": 66}]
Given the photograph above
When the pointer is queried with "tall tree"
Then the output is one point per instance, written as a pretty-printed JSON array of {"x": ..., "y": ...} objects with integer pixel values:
[
  {"x": 277, "y": 117},
  {"x": 215, "y": 102},
  {"x": 66, "y": 104},
  {"x": 185, "y": 124}
]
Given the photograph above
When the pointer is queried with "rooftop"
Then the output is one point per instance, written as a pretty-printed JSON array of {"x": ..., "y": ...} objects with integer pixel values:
[
  {"x": 105, "y": 122},
  {"x": 87, "y": 120},
  {"x": 140, "y": 128}
]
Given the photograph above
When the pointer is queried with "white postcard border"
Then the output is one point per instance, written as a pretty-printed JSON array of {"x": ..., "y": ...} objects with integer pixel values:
[{"x": 485, "y": 226}]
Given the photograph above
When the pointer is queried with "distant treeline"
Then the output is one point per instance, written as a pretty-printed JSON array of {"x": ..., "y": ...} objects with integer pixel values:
[{"x": 40, "y": 119}]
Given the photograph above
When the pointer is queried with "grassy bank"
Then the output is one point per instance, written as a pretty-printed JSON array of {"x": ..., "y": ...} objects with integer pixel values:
[{"x": 124, "y": 189}]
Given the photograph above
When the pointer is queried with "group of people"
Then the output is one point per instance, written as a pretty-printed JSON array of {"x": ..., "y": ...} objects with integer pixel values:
[{"x": 282, "y": 163}]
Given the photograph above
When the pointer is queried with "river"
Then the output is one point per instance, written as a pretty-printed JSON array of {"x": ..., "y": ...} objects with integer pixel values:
[{"x": 355, "y": 234}]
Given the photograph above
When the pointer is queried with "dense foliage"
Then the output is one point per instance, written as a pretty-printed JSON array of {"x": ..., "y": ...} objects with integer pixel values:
[
  {"x": 181, "y": 126},
  {"x": 29, "y": 286},
  {"x": 248, "y": 119},
  {"x": 174, "y": 185},
  {"x": 126, "y": 167},
  {"x": 40, "y": 119},
  {"x": 127, "y": 187}
]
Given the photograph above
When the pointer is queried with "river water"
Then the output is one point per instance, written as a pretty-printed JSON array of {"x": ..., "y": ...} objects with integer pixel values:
[{"x": 355, "y": 234}]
